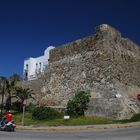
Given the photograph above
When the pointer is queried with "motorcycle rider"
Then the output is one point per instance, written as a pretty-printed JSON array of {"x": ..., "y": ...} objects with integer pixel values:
[
  {"x": 8, "y": 116},
  {"x": 7, "y": 124}
]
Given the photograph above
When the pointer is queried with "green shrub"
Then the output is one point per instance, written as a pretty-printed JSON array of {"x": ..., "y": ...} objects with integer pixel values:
[
  {"x": 135, "y": 118},
  {"x": 77, "y": 106},
  {"x": 45, "y": 113}
]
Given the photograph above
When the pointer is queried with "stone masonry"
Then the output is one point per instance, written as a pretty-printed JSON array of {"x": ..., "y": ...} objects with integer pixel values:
[{"x": 105, "y": 64}]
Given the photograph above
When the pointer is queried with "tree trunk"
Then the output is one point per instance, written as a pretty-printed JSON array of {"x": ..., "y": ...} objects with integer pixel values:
[
  {"x": 8, "y": 103},
  {"x": 2, "y": 105}
]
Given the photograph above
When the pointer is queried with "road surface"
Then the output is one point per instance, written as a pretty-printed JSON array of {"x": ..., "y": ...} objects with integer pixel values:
[{"x": 114, "y": 134}]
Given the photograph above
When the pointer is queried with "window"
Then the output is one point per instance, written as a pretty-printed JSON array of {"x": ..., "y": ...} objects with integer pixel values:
[
  {"x": 26, "y": 72},
  {"x": 40, "y": 67},
  {"x": 36, "y": 69},
  {"x": 27, "y": 67}
]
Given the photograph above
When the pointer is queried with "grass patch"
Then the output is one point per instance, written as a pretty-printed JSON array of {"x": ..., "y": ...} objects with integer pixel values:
[
  {"x": 79, "y": 121},
  {"x": 73, "y": 121},
  {"x": 59, "y": 122},
  {"x": 134, "y": 118}
]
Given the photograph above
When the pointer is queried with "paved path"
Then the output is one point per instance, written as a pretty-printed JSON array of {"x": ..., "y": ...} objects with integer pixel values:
[
  {"x": 107, "y": 134},
  {"x": 78, "y": 128}
]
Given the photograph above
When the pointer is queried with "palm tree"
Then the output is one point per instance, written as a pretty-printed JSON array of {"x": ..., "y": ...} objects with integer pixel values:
[
  {"x": 11, "y": 90},
  {"x": 2, "y": 93},
  {"x": 23, "y": 94},
  {"x": 15, "y": 77}
]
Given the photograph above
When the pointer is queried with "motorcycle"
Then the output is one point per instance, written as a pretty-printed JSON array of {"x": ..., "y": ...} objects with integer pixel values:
[{"x": 9, "y": 127}]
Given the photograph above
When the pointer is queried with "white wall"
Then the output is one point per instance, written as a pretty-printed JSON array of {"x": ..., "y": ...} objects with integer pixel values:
[{"x": 36, "y": 65}]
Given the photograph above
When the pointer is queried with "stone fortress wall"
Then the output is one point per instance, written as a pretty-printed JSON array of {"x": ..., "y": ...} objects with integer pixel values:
[{"x": 105, "y": 64}]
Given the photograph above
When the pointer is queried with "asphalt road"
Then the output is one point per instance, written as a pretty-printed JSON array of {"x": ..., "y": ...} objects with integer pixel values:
[{"x": 114, "y": 134}]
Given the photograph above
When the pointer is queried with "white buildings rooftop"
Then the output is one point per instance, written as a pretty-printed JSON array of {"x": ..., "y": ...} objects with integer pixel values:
[{"x": 33, "y": 66}]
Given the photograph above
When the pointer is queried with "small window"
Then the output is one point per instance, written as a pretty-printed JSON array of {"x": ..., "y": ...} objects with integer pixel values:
[
  {"x": 36, "y": 67},
  {"x": 26, "y": 66},
  {"x": 40, "y": 67},
  {"x": 40, "y": 64}
]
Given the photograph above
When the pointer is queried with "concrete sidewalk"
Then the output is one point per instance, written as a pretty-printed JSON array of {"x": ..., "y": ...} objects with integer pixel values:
[{"x": 78, "y": 128}]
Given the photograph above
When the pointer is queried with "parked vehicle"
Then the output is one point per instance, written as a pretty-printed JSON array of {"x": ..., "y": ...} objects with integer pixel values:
[{"x": 10, "y": 127}]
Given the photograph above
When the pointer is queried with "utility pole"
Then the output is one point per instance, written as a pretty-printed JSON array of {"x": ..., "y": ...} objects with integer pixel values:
[{"x": 23, "y": 115}]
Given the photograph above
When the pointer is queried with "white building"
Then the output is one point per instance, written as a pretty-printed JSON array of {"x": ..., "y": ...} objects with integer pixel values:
[{"x": 33, "y": 66}]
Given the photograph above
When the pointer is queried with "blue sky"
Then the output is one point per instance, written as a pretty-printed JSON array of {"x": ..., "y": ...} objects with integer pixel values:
[{"x": 27, "y": 27}]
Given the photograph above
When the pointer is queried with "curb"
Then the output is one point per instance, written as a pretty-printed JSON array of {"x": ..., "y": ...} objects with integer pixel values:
[{"x": 78, "y": 128}]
